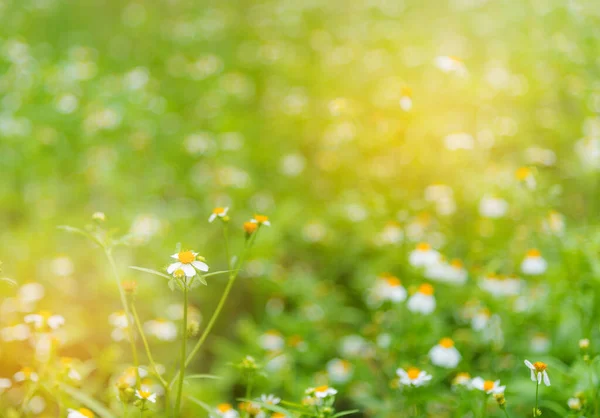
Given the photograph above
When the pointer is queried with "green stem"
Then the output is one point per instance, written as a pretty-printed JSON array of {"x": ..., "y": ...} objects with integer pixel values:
[
  {"x": 248, "y": 394},
  {"x": 232, "y": 276},
  {"x": 148, "y": 353},
  {"x": 484, "y": 406},
  {"x": 506, "y": 412},
  {"x": 537, "y": 390},
  {"x": 113, "y": 266},
  {"x": 183, "y": 348}
]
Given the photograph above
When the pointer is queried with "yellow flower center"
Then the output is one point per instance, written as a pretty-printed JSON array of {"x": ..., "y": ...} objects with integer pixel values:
[
  {"x": 522, "y": 173},
  {"x": 186, "y": 257},
  {"x": 413, "y": 373},
  {"x": 261, "y": 218},
  {"x": 534, "y": 253},
  {"x": 423, "y": 246},
  {"x": 426, "y": 289},
  {"x": 446, "y": 342},
  {"x": 250, "y": 227},
  {"x": 218, "y": 211},
  {"x": 224, "y": 407},
  {"x": 539, "y": 366},
  {"x": 145, "y": 394},
  {"x": 456, "y": 263},
  {"x": 488, "y": 385},
  {"x": 393, "y": 281},
  {"x": 321, "y": 388},
  {"x": 86, "y": 412},
  {"x": 27, "y": 371}
]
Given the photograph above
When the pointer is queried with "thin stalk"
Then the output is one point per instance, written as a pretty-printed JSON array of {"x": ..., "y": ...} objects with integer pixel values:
[
  {"x": 113, "y": 266},
  {"x": 506, "y": 412},
  {"x": 232, "y": 276},
  {"x": 183, "y": 347},
  {"x": 537, "y": 390},
  {"x": 248, "y": 394},
  {"x": 484, "y": 406},
  {"x": 147, "y": 347}
]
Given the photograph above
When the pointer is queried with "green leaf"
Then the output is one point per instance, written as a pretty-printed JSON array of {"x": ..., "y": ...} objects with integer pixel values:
[
  {"x": 273, "y": 408},
  {"x": 86, "y": 400},
  {"x": 204, "y": 406},
  {"x": 202, "y": 280},
  {"x": 9, "y": 281},
  {"x": 555, "y": 407},
  {"x": 214, "y": 273},
  {"x": 155, "y": 272},
  {"x": 343, "y": 413},
  {"x": 81, "y": 232},
  {"x": 202, "y": 376}
]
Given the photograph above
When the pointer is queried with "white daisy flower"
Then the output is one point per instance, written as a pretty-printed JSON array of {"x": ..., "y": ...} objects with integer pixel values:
[
  {"x": 538, "y": 372},
  {"x": 423, "y": 255},
  {"x": 406, "y": 102},
  {"x": 321, "y": 392},
  {"x": 387, "y": 288},
  {"x": 488, "y": 386},
  {"x": 270, "y": 399},
  {"x": 554, "y": 223},
  {"x": 444, "y": 354},
  {"x": 44, "y": 320},
  {"x": 5, "y": 384},
  {"x": 499, "y": 286},
  {"x": 146, "y": 395},
  {"x": 79, "y": 413},
  {"x": 225, "y": 410},
  {"x": 492, "y": 207},
  {"x": 218, "y": 213},
  {"x": 422, "y": 301},
  {"x": 188, "y": 262},
  {"x": 26, "y": 373},
  {"x": 480, "y": 319},
  {"x": 534, "y": 264},
  {"x": 392, "y": 233},
  {"x": 462, "y": 380},
  {"x": 574, "y": 404},
  {"x": 451, "y": 273},
  {"x": 272, "y": 340},
  {"x": 413, "y": 377},
  {"x": 449, "y": 64},
  {"x": 459, "y": 140},
  {"x": 339, "y": 371},
  {"x": 162, "y": 329},
  {"x": 525, "y": 176},
  {"x": 261, "y": 220}
]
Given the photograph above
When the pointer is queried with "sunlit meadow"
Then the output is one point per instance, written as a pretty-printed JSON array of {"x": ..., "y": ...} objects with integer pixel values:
[{"x": 299, "y": 208}]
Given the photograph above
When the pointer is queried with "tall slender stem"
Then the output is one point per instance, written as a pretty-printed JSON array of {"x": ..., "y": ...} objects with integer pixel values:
[
  {"x": 248, "y": 394},
  {"x": 148, "y": 353},
  {"x": 232, "y": 276},
  {"x": 113, "y": 266},
  {"x": 183, "y": 347},
  {"x": 506, "y": 412},
  {"x": 484, "y": 406},
  {"x": 537, "y": 390}
]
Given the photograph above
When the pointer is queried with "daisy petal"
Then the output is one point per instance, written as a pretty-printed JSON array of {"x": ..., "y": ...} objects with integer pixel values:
[{"x": 200, "y": 265}]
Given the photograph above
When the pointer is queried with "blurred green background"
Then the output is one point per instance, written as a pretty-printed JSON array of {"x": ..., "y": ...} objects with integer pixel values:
[{"x": 154, "y": 112}]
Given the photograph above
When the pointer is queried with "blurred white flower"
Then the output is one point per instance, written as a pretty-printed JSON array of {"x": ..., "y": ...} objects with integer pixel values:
[
  {"x": 387, "y": 288},
  {"x": 534, "y": 264},
  {"x": 459, "y": 140},
  {"x": 272, "y": 340},
  {"x": 339, "y": 371},
  {"x": 423, "y": 300},
  {"x": 500, "y": 286},
  {"x": 44, "y": 320},
  {"x": 449, "y": 64},
  {"x": 225, "y": 410},
  {"x": 79, "y": 413},
  {"x": 25, "y": 374},
  {"x": 146, "y": 395},
  {"x": 445, "y": 354},
  {"x": 413, "y": 377},
  {"x": 492, "y": 207},
  {"x": 423, "y": 255},
  {"x": 162, "y": 329},
  {"x": 574, "y": 404},
  {"x": 488, "y": 386}
]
